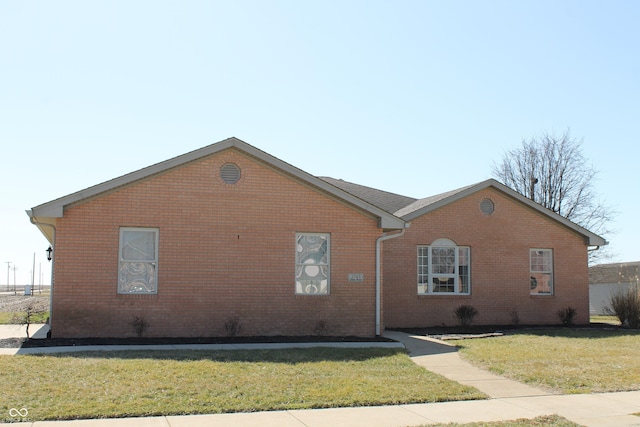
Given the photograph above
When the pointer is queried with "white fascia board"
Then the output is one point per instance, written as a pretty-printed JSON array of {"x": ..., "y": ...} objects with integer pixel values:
[
  {"x": 591, "y": 239},
  {"x": 47, "y": 211},
  {"x": 55, "y": 208},
  {"x": 387, "y": 220}
]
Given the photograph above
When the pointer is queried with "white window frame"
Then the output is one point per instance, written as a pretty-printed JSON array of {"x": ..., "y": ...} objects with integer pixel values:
[
  {"x": 426, "y": 276},
  {"x": 308, "y": 286},
  {"x": 539, "y": 273},
  {"x": 148, "y": 266}
]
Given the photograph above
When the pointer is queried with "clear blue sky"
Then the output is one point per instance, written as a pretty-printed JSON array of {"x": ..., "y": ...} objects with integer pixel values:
[{"x": 413, "y": 97}]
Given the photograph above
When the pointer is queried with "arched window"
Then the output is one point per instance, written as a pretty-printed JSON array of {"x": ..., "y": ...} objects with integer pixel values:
[{"x": 444, "y": 268}]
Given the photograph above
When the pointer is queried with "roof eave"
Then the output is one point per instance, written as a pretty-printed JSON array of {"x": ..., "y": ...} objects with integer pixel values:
[
  {"x": 387, "y": 221},
  {"x": 591, "y": 239},
  {"x": 46, "y": 225},
  {"x": 55, "y": 208}
]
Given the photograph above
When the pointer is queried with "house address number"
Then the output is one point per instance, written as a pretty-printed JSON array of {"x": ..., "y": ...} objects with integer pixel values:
[{"x": 356, "y": 277}]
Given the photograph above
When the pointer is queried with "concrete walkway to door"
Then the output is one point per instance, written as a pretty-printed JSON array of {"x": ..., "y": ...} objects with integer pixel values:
[{"x": 442, "y": 358}]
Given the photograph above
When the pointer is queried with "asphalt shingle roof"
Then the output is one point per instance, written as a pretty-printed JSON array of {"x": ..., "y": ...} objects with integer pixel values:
[
  {"x": 422, "y": 203},
  {"x": 389, "y": 202},
  {"x": 409, "y": 208}
]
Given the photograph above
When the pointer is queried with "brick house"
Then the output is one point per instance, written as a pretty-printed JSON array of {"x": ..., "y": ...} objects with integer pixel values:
[
  {"x": 483, "y": 245},
  {"x": 230, "y": 240}
]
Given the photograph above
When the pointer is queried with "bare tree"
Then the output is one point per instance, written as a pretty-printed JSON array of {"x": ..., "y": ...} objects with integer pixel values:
[
  {"x": 33, "y": 312},
  {"x": 552, "y": 171}
]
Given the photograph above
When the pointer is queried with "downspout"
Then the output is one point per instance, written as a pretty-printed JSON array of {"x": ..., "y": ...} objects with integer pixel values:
[
  {"x": 53, "y": 245},
  {"x": 379, "y": 240}
]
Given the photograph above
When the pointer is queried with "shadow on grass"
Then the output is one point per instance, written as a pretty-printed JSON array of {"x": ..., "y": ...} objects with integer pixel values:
[
  {"x": 593, "y": 330},
  {"x": 290, "y": 356},
  {"x": 581, "y": 333}
]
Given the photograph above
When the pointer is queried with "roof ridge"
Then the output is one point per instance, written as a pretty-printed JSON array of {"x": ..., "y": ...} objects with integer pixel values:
[
  {"x": 386, "y": 200},
  {"x": 328, "y": 178}
]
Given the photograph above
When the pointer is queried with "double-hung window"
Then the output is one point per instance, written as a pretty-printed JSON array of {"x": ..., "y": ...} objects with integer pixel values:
[
  {"x": 138, "y": 263},
  {"x": 541, "y": 271},
  {"x": 312, "y": 264},
  {"x": 443, "y": 268}
]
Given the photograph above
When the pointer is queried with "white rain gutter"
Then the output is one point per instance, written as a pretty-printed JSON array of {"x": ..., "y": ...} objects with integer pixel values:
[
  {"x": 379, "y": 240},
  {"x": 53, "y": 245}
]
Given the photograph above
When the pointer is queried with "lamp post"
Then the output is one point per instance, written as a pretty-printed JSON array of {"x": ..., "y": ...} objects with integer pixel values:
[{"x": 48, "y": 251}]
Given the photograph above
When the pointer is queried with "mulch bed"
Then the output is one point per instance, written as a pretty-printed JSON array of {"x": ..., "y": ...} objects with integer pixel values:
[{"x": 57, "y": 342}]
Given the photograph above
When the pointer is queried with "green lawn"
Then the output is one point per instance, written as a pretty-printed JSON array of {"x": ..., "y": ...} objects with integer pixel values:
[
  {"x": 10, "y": 318},
  {"x": 142, "y": 383},
  {"x": 611, "y": 320},
  {"x": 565, "y": 360},
  {"x": 544, "y": 421}
]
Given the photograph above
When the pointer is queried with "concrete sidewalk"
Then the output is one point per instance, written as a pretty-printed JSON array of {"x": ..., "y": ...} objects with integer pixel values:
[
  {"x": 596, "y": 410},
  {"x": 509, "y": 400},
  {"x": 36, "y": 330},
  {"x": 442, "y": 358}
]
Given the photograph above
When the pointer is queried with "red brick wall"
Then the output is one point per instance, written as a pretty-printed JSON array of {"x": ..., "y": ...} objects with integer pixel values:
[
  {"x": 500, "y": 284},
  {"x": 225, "y": 251}
]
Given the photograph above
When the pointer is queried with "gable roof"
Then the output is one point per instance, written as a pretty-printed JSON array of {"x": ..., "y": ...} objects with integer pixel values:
[
  {"x": 428, "y": 204},
  {"x": 422, "y": 206},
  {"x": 47, "y": 212},
  {"x": 393, "y": 211},
  {"x": 390, "y": 202},
  {"x": 624, "y": 272}
]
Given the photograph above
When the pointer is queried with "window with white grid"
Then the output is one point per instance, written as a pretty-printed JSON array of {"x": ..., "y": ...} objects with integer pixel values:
[{"x": 444, "y": 268}]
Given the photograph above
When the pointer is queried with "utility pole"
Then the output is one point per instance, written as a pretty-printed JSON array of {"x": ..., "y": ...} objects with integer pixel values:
[
  {"x": 33, "y": 275},
  {"x": 14, "y": 279},
  {"x": 8, "y": 268}
]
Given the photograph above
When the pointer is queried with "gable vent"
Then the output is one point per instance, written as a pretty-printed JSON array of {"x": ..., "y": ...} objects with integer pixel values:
[
  {"x": 487, "y": 207},
  {"x": 230, "y": 173}
]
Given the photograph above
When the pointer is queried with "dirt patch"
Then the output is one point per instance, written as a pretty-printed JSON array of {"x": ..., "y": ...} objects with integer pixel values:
[{"x": 20, "y": 303}]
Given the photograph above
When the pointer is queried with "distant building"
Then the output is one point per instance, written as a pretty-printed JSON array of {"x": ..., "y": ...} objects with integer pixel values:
[{"x": 608, "y": 279}]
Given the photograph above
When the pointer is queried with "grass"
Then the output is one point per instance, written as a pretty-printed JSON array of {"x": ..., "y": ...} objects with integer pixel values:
[
  {"x": 544, "y": 421},
  {"x": 610, "y": 320},
  {"x": 11, "y": 318},
  {"x": 145, "y": 383},
  {"x": 564, "y": 360}
]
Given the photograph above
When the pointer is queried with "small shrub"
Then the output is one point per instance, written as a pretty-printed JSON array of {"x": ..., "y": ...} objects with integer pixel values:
[
  {"x": 465, "y": 315},
  {"x": 321, "y": 328},
  {"x": 139, "y": 325},
  {"x": 566, "y": 315},
  {"x": 233, "y": 326},
  {"x": 515, "y": 317},
  {"x": 625, "y": 305}
]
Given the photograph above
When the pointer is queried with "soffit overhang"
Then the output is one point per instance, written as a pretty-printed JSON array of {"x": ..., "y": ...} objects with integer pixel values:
[
  {"x": 429, "y": 204},
  {"x": 48, "y": 212}
]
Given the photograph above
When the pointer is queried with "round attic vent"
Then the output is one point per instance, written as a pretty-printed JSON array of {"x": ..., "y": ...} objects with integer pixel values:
[
  {"x": 487, "y": 207},
  {"x": 230, "y": 173}
]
